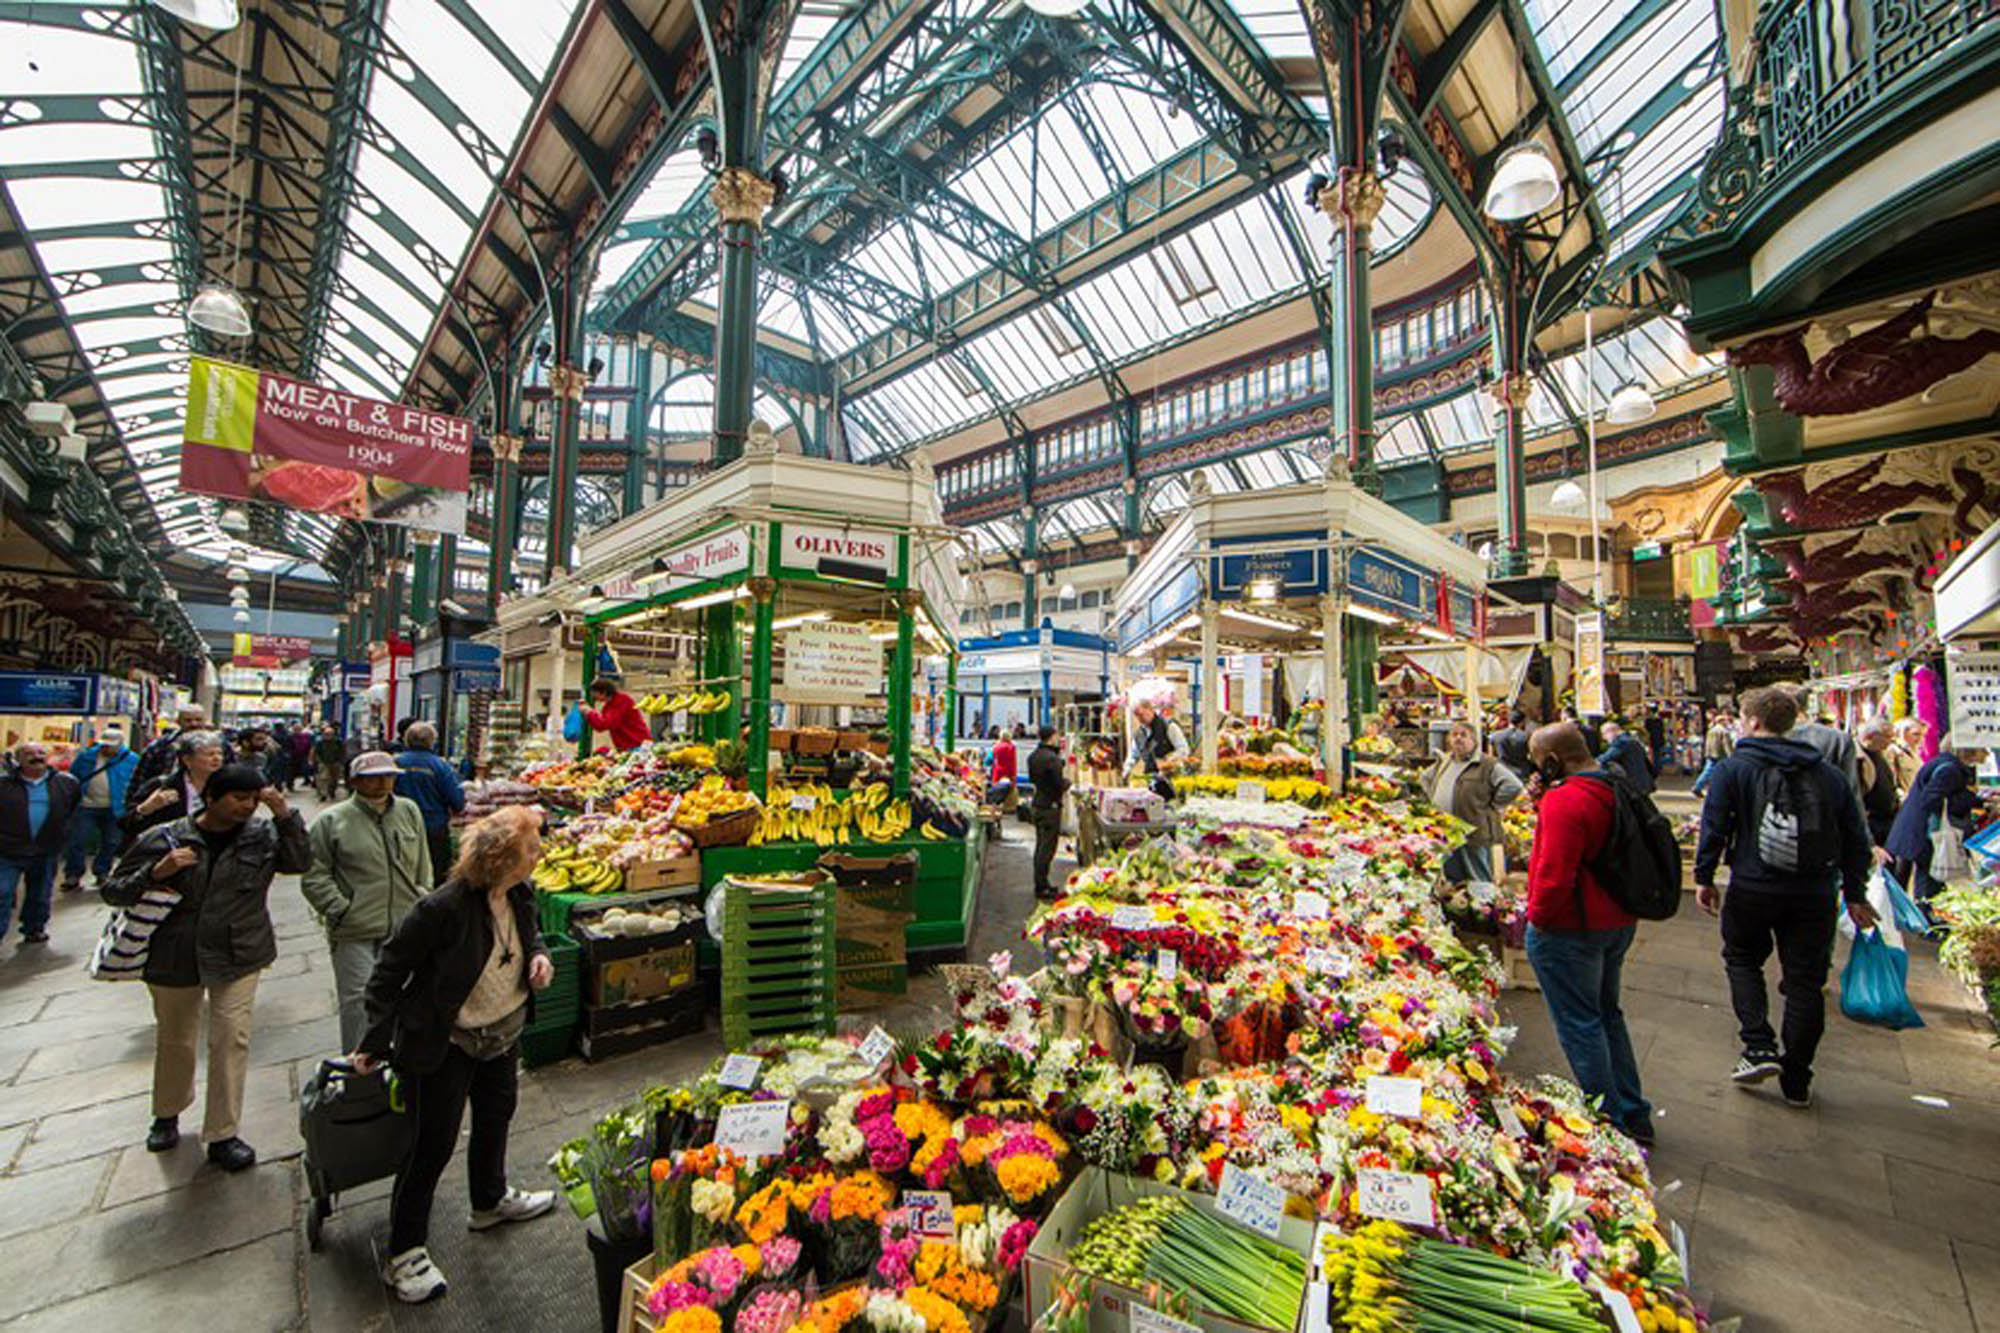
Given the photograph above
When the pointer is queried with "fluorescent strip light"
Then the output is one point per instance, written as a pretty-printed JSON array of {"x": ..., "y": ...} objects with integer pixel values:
[
  {"x": 711, "y": 599},
  {"x": 793, "y": 622},
  {"x": 1251, "y": 617},
  {"x": 1166, "y": 635},
  {"x": 641, "y": 614},
  {"x": 1430, "y": 633},
  {"x": 1370, "y": 613}
]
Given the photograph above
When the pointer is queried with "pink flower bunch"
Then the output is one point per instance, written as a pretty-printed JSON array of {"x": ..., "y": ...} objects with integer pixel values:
[
  {"x": 1019, "y": 1136},
  {"x": 888, "y": 1149},
  {"x": 668, "y": 1297},
  {"x": 941, "y": 1165},
  {"x": 779, "y": 1254},
  {"x": 899, "y": 1250},
  {"x": 720, "y": 1271},
  {"x": 771, "y": 1310},
  {"x": 1014, "y": 1243}
]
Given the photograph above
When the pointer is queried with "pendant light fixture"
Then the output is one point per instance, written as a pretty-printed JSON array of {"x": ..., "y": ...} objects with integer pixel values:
[
  {"x": 219, "y": 15},
  {"x": 1630, "y": 402},
  {"x": 1524, "y": 183},
  {"x": 219, "y": 309},
  {"x": 1566, "y": 495},
  {"x": 1058, "y": 9}
]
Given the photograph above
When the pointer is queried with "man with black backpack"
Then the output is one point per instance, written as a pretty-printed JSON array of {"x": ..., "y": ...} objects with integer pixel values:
[
  {"x": 1604, "y": 858},
  {"x": 1788, "y": 823}
]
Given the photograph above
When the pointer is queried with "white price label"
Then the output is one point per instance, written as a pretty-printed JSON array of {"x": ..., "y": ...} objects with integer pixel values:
[
  {"x": 753, "y": 1129},
  {"x": 1396, "y": 1196},
  {"x": 740, "y": 1071},
  {"x": 929, "y": 1214},
  {"x": 1168, "y": 964},
  {"x": 1621, "y": 1309},
  {"x": 1510, "y": 1121},
  {"x": 1145, "y": 1319},
  {"x": 1251, "y": 1200},
  {"x": 1309, "y": 906},
  {"x": 1347, "y": 864},
  {"x": 1332, "y": 963},
  {"x": 1253, "y": 792},
  {"x": 1132, "y": 916},
  {"x": 877, "y": 1046},
  {"x": 1401, "y": 1097},
  {"x": 804, "y": 802}
]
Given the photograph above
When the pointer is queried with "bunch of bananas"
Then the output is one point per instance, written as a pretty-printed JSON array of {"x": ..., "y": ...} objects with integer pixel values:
[
  {"x": 811, "y": 812},
  {"x": 696, "y": 703},
  {"x": 566, "y": 870},
  {"x": 692, "y": 756}
]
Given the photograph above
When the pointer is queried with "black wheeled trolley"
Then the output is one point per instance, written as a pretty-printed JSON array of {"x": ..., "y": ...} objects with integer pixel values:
[{"x": 356, "y": 1128}]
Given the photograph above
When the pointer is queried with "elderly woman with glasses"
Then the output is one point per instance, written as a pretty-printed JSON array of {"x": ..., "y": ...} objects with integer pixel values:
[
  {"x": 177, "y": 793},
  {"x": 36, "y": 804},
  {"x": 446, "y": 1004}
]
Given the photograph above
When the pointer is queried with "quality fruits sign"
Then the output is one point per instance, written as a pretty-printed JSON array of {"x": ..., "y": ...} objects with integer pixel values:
[
  {"x": 863, "y": 555},
  {"x": 252, "y": 435}
]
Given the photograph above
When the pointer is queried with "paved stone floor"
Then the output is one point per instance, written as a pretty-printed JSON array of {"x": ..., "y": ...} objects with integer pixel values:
[{"x": 1873, "y": 1211}]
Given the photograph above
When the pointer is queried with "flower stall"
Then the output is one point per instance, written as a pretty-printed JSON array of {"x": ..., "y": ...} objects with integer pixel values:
[{"x": 1256, "y": 1025}]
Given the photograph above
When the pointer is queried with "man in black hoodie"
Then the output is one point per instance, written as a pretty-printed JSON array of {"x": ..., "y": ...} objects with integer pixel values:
[
  {"x": 1788, "y": 823},
  {"x": 1045, "y": 771}
]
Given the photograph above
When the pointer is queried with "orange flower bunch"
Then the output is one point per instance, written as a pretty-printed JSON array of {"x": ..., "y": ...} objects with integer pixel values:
[
  {"x": 922, "y": 1120},
  {"x": 692, "y": 1319},
  {"x": 707, "y": 1162},
  {"x": 833, "y": 1312},
  {"x": 942, "y": 1268},
  {"x": 862, "y": 1195},
  {"x": 765, "y": 1213},
  {"x": 939, "y": 1314},
  {"x": 1047, "y": 1134}
]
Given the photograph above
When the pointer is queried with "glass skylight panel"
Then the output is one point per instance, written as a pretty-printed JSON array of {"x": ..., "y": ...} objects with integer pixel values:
[
  {"x": 421, "y": 134},
  {"x": 54, "y": 61},
  {"x": 676, "y": 184},
  {"x": 1569, "y": 30},
  {"x": 1461, "y": 422},
  {"x": 1020, "y": 360},
  {"x": 96, "y": 333},
  {"x": 1638, "y": 69},
  {"x": 385, "y": 289},
  {"x": 482, "y": 87},
  {"x": 1278, "y": 25},
  {"x": 54, "y": 202},
  {"x": 438, "y": 222},
  {"x": 1036, "y": 177},
  {"x": 1402, "y": 441},
  {"x": 32, "y": 143},
  {"x": 117, "y": 296},
  {"x": 1135, "y": 125},
  {"x": 1674, "y": 147},
  {"x": 816, "y": 18},
  {"x": 780, "y": 313}
]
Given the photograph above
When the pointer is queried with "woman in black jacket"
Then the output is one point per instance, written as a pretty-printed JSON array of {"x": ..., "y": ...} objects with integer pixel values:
[
  {"x": 177, "y": 793},
  {"x": 447, "y": 1002}
]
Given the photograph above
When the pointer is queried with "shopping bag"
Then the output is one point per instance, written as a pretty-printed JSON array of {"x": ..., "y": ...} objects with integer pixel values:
[
  {"x": 127, "y": 938},
  {"x": 1903, "y": 908},
  {"x": 1874, "y": 985},
  {"x": 573, "y": 725},
  {"x": 356, "y": 1127},
  {"x": 1885, "y": 913},
  {"x": 1948, "y": 859}
]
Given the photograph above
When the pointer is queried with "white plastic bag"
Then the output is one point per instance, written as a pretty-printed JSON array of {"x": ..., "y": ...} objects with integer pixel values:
[
  {"x": 1885, "y": 914},
  {"x": 1948, "y": 859}
]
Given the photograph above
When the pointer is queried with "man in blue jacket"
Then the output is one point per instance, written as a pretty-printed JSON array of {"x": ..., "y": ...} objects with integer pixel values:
[
  {"x": 104, "y": 772},
  {"x": 36, "y": 803},
  {"x": 1623, "y": 752},
  {"x": 433, "y": 785},
  {"x": 1787, "y": 821}
]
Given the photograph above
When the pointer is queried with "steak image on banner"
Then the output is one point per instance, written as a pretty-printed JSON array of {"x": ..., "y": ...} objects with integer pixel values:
[{"x": 252, "y": 435}]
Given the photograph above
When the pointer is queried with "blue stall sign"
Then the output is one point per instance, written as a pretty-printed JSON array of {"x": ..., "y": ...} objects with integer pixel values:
[
  {"x": 1301, "y": 571},
  {"x": 44, "y": 692},
  {"x": 1385, "y": 581},
  {"x": 477, "y": 678}
]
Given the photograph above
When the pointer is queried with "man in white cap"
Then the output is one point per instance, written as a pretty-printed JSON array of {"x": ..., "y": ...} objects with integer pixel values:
[
  {"x": 370, "y": 863},
  {"x": 105, "y": 772}
]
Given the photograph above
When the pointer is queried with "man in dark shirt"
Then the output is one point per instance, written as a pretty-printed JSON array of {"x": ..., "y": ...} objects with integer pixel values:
[
  {"x": 1510, "y": 745},
  {"x": 1045, "y": 772}
]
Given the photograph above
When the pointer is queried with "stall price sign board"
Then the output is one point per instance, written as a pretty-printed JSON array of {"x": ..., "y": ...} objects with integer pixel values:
[
  {"x": 1253, "y": 793},
  {"x": 1399, "y": 1097},
  {"x": 929, "y": 1213},
  {"x": 740, "y": 1071},
  {"x": 1251, "y": 1200},
  {"x": 831, "y": 663},
  {"x": 753, "y": 1129},
  {"x": 1396, "y": 1196},
  {"x": 1132, "y": 916},
  {"x": 253, "y": 435},
  {"x": 877, "y": 1046},
  {"x": 1145, "y": 1319},
  {"x": 1975, "y": 698}
]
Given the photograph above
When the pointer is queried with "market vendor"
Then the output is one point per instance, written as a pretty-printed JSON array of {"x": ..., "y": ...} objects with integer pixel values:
[
  {"x": 1000, "y": 779},
  {"x": 617, "y": 714},
  {"x": 1476, "y": 788},
  {"x": 1157, "y": 743}
]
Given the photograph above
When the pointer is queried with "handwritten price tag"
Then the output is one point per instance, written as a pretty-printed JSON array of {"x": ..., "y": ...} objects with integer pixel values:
[
  {"x": 1132, "y": 916},
  {"x": 1309, "y": 906},
  {"x": 804, "y": 802},
  {"x": 1253, "y": 792},
  {"x": 877, "y": 1046},
  {"x": 1403, "y": 1097},
  {"x": 1168, "y": 964},
  {"x": 1347, "y": 864},
  {"x": 740, "y": 1071},
  {"x": 1251, "y": 1200},
  {"x": 1145, "y": 1319},
  {"x": 1510, "y": 1121},
  {"x": 929, "y": 1213},
  {"x": 753, "y": 1129},
  {"x": 1328, "y": 961},
  {"x": 1396, "y": 1196}
]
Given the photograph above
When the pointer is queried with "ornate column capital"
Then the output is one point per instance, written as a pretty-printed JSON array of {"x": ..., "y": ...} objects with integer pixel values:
[
  {"x": 762, "y": 588},
  {"x": 910, "y": 600},
  {"x": 1355, "y": 198},
  {"x": 741, "y": 195},
  {"x": 566, "y": 381},
  {"x": 506, "y": 448},
  {"x": 1512, "y": 390},
  {"x": 423, "y": 536}
]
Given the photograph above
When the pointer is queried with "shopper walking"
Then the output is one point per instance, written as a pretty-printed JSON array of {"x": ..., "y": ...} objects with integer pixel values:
[
  {"x": 36, "y": 806},
  {"x": 446, "y": 1006},
  {"x": 617, "y": 714},
  {"x": 1879, "y": 801},
  {"x": 104, "y": 774},
  {"x": 1623, "y": 752},
  {"x": 158, "y": 759},
  {"x": 371, "y": 861},
  {"x": 1944, "y": 790},
  {"x": 1788, "y": 825},
  {"x": 1045, "y": 775},
  {"x": 1717, "y": 746},
  {"x": 1908, "y": 752},
  {"x": 1578, "y": 935},
  {"x": 1510, "y": 745},
  {"x": 329, "y": 762},
  {"x": 1476, "y": 788},
  {"x": 1158, "y": 743},
  {"x": 178, "y": 793},
  {"x": 433, "y": 784},
  {"x": 214, "y": 943}
]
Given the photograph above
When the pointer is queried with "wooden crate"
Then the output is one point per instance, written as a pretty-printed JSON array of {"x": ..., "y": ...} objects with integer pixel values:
[{"x": 676, "y": 873}]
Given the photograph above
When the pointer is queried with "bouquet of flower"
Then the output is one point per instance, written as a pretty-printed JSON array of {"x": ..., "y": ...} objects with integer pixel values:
[
  {"x": 843, "y": 1218},
  {"x": 1155, "y": 1009}
]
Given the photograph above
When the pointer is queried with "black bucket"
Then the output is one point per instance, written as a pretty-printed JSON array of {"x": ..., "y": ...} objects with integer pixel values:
[{"x": 610, "y": 1259}]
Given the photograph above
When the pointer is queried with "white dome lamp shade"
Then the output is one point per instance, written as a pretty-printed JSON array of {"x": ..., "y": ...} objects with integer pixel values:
[
  {"x": 1524, "y": 183},
  {"x": 1058, "y": 9},
  {"x": 1067, "y": 592},
  {"x": 220, "y": 310},
  {"x": 1567, "y": 495},
  {"x": 1630, "y": 402},
  {"x": 241, "y": 617},
  {"x": 221, "y": 15}
]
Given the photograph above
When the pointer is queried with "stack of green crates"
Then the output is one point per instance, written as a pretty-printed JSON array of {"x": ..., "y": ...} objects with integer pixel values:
[
  {"x": 548, "y": 1038},
  {"x": 777, "y": 961}
]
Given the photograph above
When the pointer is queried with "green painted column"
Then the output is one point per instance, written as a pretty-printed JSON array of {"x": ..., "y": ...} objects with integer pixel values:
[
  {"x": 566, "y": 383},
  {"x": 951, "y": 702},
  {"x": 423, "y": 598},
  {"x": 902, "y": 674},
  {"x": 1512, "y": 384},
  {"x": 1361, "y": 638},
  {"x": 741, "y": 197},
  {"x": 764, "y": 592},
  {"x": 503, "y": 535},
  {"x": 444, "y": 573},
  {"x": 636, "y": 453},
  {"x": 1353, "y": 201},
  {"x": 725, "y": 659},
  {"x": 590, "y": 637},
  {"x": 1031, "y": 565}
]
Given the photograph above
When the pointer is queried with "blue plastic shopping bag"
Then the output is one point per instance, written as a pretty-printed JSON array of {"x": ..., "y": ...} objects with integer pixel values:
[
  {"x": 1874, "y": 988},
  {"x": 1908, "y": 915},
  {"x": 573, "y": 726}
]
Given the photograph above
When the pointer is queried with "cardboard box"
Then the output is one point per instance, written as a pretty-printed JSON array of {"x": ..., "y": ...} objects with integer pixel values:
[
  {"x": 646, "y": 976},
  {"x": 1097, "y": 1192},
  {"x": 675, "y": 873},
  {"x": 871, "y": 958},
  {"x": 870, "y": 985},
  {"x": 873, "y": 883}
]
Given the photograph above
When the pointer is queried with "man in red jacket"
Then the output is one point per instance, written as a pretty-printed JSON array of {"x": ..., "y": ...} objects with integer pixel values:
[
  {"x": 617, "y": 714},
  {"x": 1578, "y": 935}
]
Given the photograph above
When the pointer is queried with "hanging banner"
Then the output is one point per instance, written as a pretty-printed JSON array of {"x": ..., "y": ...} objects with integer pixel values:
[
  {"x": 271, "y": 650},
  {"x": 1705, "y": 571},
  {"x": 1590, "y": 665},
  {"x": 1974, "y": 680},
  {"x": 832, "y": 663},
  {"x": 252, "y": 435}
]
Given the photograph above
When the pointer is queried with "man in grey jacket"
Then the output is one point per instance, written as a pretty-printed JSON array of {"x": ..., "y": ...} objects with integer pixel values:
[{"x": 370, "y": 864}]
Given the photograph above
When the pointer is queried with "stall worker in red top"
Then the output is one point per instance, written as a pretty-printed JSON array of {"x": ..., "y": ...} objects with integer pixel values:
[
  {"x": 617, "y": 714},
  {"x": 1005, "y": 773},
  {"x": 1578, "y": 935}
]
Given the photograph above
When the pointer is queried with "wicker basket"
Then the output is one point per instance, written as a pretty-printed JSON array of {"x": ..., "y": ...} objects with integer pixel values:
[
  {"x": 815, "y": 742},
  {"x": 732, "y": 830},
  {"x": 781, "y": 739}
]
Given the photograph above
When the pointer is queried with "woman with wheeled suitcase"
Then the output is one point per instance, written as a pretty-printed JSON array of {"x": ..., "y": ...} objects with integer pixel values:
[{"x": 446, "y": 1004}]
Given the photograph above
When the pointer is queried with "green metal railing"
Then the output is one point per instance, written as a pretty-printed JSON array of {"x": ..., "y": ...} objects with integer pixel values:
[{"x": 1653, "y": 618}]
